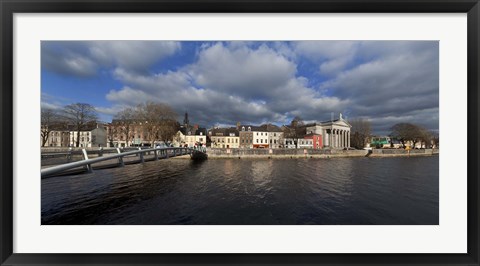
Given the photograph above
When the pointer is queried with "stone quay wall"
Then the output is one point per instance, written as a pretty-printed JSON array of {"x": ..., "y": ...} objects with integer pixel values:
[
  {"x": 402, "y": 152},
  {"x": 282, "y": 153},
  {"x": 313, "y": 153}
]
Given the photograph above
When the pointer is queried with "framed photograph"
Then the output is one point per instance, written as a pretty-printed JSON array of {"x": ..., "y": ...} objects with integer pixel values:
[{"x": 235, "y": 132}]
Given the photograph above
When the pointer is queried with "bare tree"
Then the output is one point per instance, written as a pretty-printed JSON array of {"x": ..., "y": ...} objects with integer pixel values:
[
  {"x": 361, "y": 131},
  {"x": 168, "y": 128},
  {"x": 123, "y": 123},
  {"x": 408, "y": 132},
  {"x": 158, "y": 121},
  {"x": 296, "y": 130},
  {"x": 79, "y": 115},
  {"x": 435, "y": 139},
  {"x": 48, "y": 119}
]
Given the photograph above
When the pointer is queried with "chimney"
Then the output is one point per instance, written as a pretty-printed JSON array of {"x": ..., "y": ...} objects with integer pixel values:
[{"x": 238, "y": 125}]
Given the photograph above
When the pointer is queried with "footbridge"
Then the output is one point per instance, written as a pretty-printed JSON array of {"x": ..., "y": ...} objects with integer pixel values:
[{"x": 119, "y": 159}]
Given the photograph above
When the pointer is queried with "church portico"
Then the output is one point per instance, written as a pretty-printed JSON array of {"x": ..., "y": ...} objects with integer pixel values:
[{"x": 335, "y": 133}]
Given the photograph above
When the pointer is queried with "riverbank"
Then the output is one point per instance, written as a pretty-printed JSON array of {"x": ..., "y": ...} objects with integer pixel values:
[
  {"x": 310, "y": 153},
  {"x": 282, "y": 153}
]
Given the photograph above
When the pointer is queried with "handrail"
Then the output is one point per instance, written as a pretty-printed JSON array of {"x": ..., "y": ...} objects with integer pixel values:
[
  {"x": 79, "y": 152},
  {"x": 88, "y": 162}
]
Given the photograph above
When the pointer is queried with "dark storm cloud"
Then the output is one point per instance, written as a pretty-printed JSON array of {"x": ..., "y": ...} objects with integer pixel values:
[
  {"x": 83, "y": 59},
  {"x": 67, "y": 58},
  {"x": 399, "y": 78}
]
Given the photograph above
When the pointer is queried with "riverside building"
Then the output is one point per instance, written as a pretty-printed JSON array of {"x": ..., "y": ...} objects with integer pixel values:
[{"x": 335, "y": 133}]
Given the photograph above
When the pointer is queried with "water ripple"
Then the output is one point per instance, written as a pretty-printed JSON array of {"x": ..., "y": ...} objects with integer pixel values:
[{"x": 296, "y": 191}]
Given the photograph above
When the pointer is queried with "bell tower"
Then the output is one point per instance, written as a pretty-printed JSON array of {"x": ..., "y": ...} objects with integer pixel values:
[{"x": 185, "y": 120}]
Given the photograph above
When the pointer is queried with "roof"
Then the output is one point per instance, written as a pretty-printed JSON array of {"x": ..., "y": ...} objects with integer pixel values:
[
  {"x": 69, "y": 127},
  {"x": 223, "y": 131},
  {"x": 311, "y": 135},
  {"x": 201, "y": 130},
  {"x": 262, "y": 128},
  {"x": 271, "y": 128},
  {"x": 191, "y": 129}
]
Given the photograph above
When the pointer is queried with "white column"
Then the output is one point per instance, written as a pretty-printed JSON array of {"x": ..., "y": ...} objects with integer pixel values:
[
  {"x": 341, "y": 139},
  {"x": 348, "y": 139},
  {"x": 333, "y": 138},
  {"x": 338, "y": 138},
  {"x": 330, "y": 138},
  {"x": 337, "y": 134}
]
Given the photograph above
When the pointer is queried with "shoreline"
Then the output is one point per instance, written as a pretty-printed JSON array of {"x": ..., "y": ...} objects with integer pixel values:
[
  {"x": 306, "y": 153},
  {"x": 314, "y": 154}
]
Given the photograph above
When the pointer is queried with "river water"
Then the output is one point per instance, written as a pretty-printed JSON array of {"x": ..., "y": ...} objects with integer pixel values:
[{"x": 353, "y": 191}]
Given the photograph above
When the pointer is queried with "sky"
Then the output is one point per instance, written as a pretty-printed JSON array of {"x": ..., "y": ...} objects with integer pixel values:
[{"x": 220, "y": 83}]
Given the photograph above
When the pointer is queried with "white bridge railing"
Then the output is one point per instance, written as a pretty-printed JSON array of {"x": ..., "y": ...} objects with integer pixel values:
[{"x": 157, "y": 152}]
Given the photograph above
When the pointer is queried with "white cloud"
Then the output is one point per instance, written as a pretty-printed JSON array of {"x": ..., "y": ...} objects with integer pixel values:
[
  {"x": 242, "y": 71},
  {"x": 229, "y": 83},
  {"x": 128, "y": 96}
]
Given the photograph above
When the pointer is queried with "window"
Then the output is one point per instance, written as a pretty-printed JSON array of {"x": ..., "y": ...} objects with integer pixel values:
[
  {"x": 236, "y": 140},
  {"x": 275, "y": 141},
  {"x": 261, "y": 141},
  {"x": 274, "y": 134},
  {"x": 243, "y": 128},
  {"x": 249, "y": 129},
  {"x": 257, "y": 133},
  {"x": 228, "y": 140},
  {"x": 270, "y": 141}
]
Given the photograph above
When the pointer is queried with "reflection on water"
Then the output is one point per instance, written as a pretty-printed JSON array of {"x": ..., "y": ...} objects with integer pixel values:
[{"x": 243, "y": 191}]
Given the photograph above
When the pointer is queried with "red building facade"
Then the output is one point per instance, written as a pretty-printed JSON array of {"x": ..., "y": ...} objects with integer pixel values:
[{"x": 316, "y": 140}]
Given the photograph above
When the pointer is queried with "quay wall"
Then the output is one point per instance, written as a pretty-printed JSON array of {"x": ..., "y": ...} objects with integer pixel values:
[
  {"x": 269, "y": 153},
  {"x": 402, "y": 152},
  {"x": 282, "y": 153},
  {"x": 312, "y": 153}
]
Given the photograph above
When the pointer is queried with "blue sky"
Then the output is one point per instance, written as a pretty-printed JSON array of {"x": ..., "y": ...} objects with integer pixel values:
[{"x": 221, "y": 83}]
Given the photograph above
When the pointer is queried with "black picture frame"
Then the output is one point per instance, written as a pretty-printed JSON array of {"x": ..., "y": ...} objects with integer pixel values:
[{"x": 10, "y": 7}]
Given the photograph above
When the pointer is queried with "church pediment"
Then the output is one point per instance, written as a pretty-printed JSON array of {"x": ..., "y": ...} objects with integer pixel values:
[
  {"x": 342, "y": 123},
  {"x": 338, "y": 122}
]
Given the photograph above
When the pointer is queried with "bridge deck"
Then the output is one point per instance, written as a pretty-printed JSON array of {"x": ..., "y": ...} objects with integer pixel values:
[{"x": 114, "y": 160}]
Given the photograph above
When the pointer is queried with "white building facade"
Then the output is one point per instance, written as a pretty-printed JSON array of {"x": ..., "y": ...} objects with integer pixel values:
[{"x": 335, "y": 133}]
